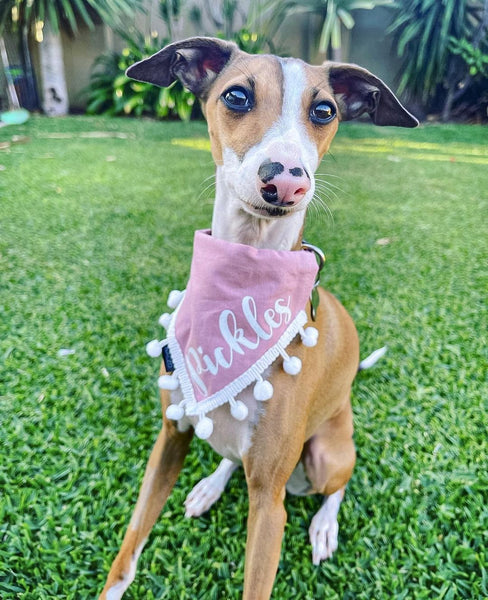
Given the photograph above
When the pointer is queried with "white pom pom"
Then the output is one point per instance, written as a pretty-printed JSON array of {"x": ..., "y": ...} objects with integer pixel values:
[
  {"x": 175, "y": 412},
  {"x": 153, "y": 348},
  {"x": 165, "y": 320},
  {"x": 263, "y": 390},
  {"x": 174, "y": 298},
  {"x": 238, "y": 410},
  {"x": 292, "y": 365},
  {"x": 310, "y": 337},
  {"x": 204, "y": 428},
  {"x": 168, "y": 382}
]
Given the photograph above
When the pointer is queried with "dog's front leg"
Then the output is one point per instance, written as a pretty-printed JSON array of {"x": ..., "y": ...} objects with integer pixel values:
[
  {"x": 276, "y": 449},
  {"x": 265, "y": 526},
  {"x": 162, "y": 470}
]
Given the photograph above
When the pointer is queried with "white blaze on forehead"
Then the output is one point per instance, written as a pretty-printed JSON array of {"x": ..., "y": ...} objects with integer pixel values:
[
  {"x": 291, "y": 123},
  {"x": 294, "y": 81}
]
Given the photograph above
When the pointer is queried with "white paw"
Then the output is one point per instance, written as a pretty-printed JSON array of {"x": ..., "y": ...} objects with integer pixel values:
[
  {"x": 323, "y": 537},
  {"x": 209, "y": 490},
  {"x": 117, "y": 591},
  {"x": 324, "y": 529},
  {"x": 202, "y": 496}
]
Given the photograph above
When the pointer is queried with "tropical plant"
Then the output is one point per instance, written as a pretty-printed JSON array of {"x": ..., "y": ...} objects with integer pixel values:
[
  {"x": 467, "y": 90},
  {"x": 335, "y": 15},
  {"x": 111, "y": 92},
  {"x": 438, "y": 42},
  {"x": 68, "y": 13},
  {"x": 222, "y": 14},
  {"x": 46, "y": 18},
  {"x": 250, "y": 41},
  {"x": 475, "y": 59},
  {"x": 171, "y": 13}
]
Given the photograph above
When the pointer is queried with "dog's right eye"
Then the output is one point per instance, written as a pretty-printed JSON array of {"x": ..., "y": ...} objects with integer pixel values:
[
  {"x": 322, "y": 112},
  {"x": 238, "y": 99}
]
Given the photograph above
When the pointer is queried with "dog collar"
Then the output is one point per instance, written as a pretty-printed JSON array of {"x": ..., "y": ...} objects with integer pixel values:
[{"x": 241, "y": 309}]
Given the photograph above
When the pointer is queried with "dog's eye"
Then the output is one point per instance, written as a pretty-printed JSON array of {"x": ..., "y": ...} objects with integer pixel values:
[
  {"x": 238, "y": 99},
  {"x": 322, "y": 112}
]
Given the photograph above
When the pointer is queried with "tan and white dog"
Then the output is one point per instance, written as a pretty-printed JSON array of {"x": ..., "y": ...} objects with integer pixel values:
[{"x": 270, "y": 120}]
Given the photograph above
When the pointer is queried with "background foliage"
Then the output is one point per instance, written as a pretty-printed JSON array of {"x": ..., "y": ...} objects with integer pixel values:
[
  {"x": 444, "y": 47},
  {"x": 334, "y": 17},
  {"x": 65, "y": 13},
  {"x": 111, "y": 92}
]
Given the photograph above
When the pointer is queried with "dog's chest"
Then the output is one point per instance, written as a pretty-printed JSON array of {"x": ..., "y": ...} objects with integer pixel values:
[{"x": 230, "y": 438}]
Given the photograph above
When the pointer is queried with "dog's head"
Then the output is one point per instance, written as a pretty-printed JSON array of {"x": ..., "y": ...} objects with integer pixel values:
[{"x": 270, "y": 119}]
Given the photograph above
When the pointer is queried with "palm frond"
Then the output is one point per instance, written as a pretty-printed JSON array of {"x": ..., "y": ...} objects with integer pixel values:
[
  {"x": 69, "y": 13},
  {"x": 422, "y": 30}
]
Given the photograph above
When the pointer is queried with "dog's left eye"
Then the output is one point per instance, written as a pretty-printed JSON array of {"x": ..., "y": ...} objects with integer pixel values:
[
  {"x": 322, "y": 112},
  {"x": 238, "y": 99}
]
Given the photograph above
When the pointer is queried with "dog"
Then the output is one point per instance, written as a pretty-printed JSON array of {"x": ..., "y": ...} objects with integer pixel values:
[{"x": 270, "y": 121}]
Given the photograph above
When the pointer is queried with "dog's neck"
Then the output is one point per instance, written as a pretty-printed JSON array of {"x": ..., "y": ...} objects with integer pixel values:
[{"x": 232, "y": 223}]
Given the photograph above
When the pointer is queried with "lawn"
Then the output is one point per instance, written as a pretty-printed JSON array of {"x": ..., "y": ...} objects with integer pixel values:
[{"x": 96, "y": 225}]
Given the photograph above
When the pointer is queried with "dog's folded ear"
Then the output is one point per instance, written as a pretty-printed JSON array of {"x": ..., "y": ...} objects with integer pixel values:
[
  {"x": 196, "y": 62},
  {"x": 358, "y": 91}
]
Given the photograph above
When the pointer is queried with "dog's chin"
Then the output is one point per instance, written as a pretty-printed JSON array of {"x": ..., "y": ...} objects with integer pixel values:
[{"x": 268, "y": 211}]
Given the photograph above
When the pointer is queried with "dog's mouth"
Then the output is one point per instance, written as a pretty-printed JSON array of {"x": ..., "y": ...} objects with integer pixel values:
[{"x": 268, "y": 211}]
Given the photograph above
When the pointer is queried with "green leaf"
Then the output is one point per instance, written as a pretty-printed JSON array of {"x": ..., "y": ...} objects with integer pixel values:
[
  {"x": 70, "y": 12},
  {"x": 85, "y": 16},
  {"x": 327, "y": 30},
  {"x": 53, "y": 18},
  {"x": 335, "y": 38},
  {"x": 346, "y": 18},
  {"x": 121, "y": 80}
]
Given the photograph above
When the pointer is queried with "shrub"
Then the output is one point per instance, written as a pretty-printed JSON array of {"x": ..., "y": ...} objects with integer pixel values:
[
  {"x": 111, "y": 92},
  {"x": 443, "y": 48}
]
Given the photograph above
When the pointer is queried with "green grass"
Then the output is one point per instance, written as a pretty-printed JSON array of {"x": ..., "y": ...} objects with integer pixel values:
[{"x": 94, "y": 232}]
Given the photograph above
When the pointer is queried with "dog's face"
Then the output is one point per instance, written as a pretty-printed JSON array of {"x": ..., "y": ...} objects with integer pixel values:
[
  {"x": 270, "y": 122},
  {"x": 270, "y": 119}
]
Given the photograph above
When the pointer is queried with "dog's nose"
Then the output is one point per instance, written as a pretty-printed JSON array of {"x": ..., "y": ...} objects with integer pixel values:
[{"x": 281, "y": 184}]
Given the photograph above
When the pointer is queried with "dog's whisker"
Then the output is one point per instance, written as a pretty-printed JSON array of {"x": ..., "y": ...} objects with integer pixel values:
[
  {"x": 210, "y": 177},
  {"x": 327, "y": 192},
  {"x": 208, "y": 190},
  {"x": 328, "y": 184},
  {"x": 322, "y": 208},
  {"x": 315, "y": 211},
  {"x": 210, "y": 186},
  {"x": 330, "y": 195},
  {"x": 322, "y": 174}
]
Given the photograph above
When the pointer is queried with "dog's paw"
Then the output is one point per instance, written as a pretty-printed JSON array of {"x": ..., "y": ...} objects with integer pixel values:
[
  {"x": 202, "y": 496},
  {"x": 324, "y": 529},
  {"x": 208, "y": 490}
]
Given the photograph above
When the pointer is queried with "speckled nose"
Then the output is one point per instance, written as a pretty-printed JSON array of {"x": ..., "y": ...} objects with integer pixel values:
[{"x": 281, "y": 184}]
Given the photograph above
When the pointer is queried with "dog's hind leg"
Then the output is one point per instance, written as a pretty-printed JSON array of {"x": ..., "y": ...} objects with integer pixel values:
[
  {"x": 209, "y": 490},
  {"x": 161, "y": 473},
  {"x": 329, "y": 458}
]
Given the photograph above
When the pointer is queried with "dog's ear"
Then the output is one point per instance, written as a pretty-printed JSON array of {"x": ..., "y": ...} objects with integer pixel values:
[
  {"x": 196, "y": 62},
  {"x": 358, "y": 91}
]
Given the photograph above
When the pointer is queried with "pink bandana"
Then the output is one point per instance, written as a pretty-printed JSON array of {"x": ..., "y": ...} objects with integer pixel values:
[{"x": 241, "y": 309}]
